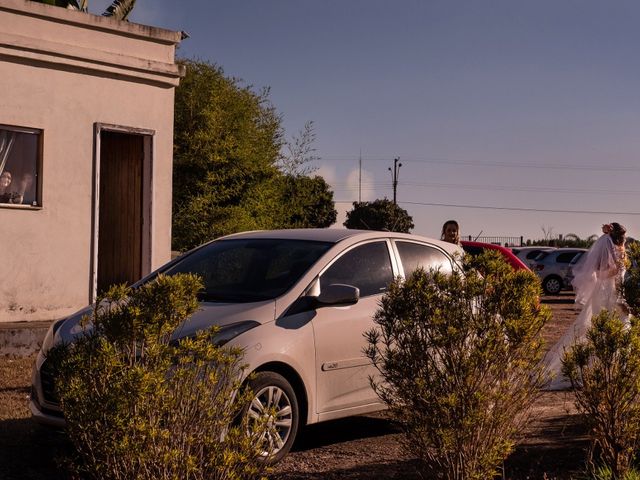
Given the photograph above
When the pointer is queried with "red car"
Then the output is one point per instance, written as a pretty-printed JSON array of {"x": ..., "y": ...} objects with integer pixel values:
[{"x": 476, "y": 248}]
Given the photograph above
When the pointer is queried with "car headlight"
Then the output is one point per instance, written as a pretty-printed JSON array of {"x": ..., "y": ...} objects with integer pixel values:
[{"x": 47, "y": 343}]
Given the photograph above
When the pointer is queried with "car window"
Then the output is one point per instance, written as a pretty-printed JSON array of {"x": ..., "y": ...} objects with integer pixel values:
[
  {"x": 249, "y": 270},
  {"x": 541, "y": 256},
  {"x": 532, "y": 254},
  {"x": 367, "y": 267},
  {"x": 577, "y": 258},
  {"x": 416, "y": 255},
  {"x": 565, "y": 257},
  {"x": 472, "y": 250}
]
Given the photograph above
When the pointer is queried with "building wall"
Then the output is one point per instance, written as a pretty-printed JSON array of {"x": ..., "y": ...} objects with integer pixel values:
[{"x": 63, "y": 72}]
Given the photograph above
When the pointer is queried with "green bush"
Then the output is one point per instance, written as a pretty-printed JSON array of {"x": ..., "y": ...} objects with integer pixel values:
[
  {"x": 605, "y": 373},
  {"x": 459, "y": 358},
  {"x": 631, "y": 285},
  {"x": 139, "y": 406},
  {"x": 604, "y": 472}
]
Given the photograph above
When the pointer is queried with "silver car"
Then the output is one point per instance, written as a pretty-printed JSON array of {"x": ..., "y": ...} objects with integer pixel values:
[
  {"x": 529, "y": 254},
  {"x": 298, "y": 302},
  {"x": 552, "y": 268}
]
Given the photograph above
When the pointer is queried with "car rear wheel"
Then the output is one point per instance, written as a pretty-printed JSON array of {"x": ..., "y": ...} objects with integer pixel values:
[
  {"x": 552, "y": 285},
  {"x": 274, "y": 400}
]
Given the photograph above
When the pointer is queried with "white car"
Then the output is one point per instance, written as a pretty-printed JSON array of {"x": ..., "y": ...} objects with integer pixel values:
[
  {"x": 299, "y": 303},
  {"x": 529, "y": 254}
]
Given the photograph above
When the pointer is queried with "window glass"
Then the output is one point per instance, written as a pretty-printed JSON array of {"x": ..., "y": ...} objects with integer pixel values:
[
  {"x": 415, "y": 255},
  {"x": 367, "y": 267},
  {"x": 577, "y": 258},
  {"x": 241, "y": 270},
  {"x": 19, "y": 154},
  {"x": 472, "y": 250},
  {"x": 565, "y": 257},
  {"x": 532, "y": 254},
  {"x": 541, "y": 256}
]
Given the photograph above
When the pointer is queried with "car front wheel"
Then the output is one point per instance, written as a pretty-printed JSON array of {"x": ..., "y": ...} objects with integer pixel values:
[
  {"x": 552, "y": 285},
  {"x": 274, "y": 400}
]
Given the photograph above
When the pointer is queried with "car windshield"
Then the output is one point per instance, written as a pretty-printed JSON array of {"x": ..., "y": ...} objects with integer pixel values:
[{"x": 249, "y": 270}]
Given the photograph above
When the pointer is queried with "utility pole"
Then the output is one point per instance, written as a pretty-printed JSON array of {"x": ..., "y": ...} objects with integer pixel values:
[
  {"x": 394, "y": 177},
  {"x": 360, "y": 178}
]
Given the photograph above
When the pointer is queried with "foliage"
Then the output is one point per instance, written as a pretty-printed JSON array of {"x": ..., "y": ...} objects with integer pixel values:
[
  {"x": 631, "y": 285},
  {"x": 139, "y": 406},
  {"x": 227, "y": 145},
  {"x": 306, "y": 202},
  {"x": 604, "y": 371},
  {"x": 299, "y": 153},
  {"x": 603, "y": 472},
  {"x": 119, "y": 9},
  {"x": 459, "y": 355},
  {"x": 381, "y": 214},
  {"x": 226, "y": 142},
  {"x": 570, "y": 240}
]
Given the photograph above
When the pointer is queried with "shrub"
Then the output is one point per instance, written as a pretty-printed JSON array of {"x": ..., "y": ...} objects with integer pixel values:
[
  {"x": 631, "y": 285},
  {"x": 604, "y": 371},
  {"x": 139, "y": 406},
  {"x": 459, "y": 355}
]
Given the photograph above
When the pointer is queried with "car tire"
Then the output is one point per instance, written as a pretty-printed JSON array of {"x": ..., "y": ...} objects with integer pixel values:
[
  {"x": 271, "y": 390},
  {"x": 552, "y": 285}
]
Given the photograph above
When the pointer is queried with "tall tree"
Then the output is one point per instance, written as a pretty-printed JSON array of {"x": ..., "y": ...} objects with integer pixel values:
[
  {"x": 307, "y": 202},
  {"x": 381, "y": 214},
  {"x": 119, "y": 9},
  {"x": 227, "y": 141},
  {"x": 299, "y": 153}
]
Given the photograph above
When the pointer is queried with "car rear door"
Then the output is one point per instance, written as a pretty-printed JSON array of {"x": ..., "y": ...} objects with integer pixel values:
[{"x": 414, "y": 255}]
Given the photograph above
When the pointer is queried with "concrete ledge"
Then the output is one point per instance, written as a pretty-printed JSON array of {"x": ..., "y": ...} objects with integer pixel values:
[{"x": 21, "y": 339}]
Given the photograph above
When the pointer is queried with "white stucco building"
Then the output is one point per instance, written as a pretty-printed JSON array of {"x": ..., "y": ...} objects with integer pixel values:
[{"x": 86, "y": 135}]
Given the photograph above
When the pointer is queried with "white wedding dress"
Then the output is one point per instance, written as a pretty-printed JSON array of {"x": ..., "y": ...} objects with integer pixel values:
[{"x": 596, "y": 280}]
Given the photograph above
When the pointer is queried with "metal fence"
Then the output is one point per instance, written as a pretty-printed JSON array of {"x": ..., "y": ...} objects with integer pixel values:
[{"x": 504, "y": 241}]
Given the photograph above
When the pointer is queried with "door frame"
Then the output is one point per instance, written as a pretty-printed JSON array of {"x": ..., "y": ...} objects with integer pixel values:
[{"x": 147, "y": 198}]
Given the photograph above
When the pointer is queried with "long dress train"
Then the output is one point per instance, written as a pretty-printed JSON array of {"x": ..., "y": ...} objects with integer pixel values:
[{"x": 596, "y": 280}]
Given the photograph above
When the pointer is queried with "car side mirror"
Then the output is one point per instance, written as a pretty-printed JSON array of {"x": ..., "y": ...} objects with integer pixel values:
[{"x": 337, "y": 295}]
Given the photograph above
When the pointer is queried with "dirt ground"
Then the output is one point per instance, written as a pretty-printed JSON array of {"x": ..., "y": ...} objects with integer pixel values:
[{"x": 362, "y": 448}]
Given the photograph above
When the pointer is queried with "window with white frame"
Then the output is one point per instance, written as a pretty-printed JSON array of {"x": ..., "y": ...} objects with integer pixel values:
[{"x": 19, "y": 166}]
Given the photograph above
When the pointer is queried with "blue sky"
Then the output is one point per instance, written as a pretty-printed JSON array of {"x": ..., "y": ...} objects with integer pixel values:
[{"x": 500, "y": 103}]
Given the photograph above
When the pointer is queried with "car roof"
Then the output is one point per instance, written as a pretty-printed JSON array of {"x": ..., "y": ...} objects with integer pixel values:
[
  {"x": 548, "y": 256},
  {"x": 533, "y": 247},
  {"x": 558, "y": 251},
  {"x": 335, "y": 235}
]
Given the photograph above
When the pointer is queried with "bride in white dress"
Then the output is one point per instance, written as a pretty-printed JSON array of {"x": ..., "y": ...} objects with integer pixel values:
[{"x": 596, "y": 281}]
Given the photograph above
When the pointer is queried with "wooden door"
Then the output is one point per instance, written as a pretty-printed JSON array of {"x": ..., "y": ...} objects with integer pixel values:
[{"x": 120, "y": 209}]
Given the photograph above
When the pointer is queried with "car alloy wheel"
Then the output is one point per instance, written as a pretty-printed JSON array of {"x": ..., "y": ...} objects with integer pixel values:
[
  {"x": 552, "y": 285},
  {"x": 274, "y": 401}
]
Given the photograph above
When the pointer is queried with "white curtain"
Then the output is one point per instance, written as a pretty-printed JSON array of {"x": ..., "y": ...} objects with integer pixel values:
[{"x": 6, "y": 142}]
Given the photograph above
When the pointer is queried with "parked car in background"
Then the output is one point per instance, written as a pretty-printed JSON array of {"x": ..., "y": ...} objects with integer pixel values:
[
  {"x": 298, "y": 302},
  {"x": 476, "y": 248},
  {"x": 528, "y": 254},
  {"x": 568, "y": 278},
  {"x": 552, "y": 268}
]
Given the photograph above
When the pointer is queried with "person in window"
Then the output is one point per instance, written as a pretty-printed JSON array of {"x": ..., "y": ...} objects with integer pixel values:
[
  {"x": 451, "y": 232},
  {"x": 17, "y": 196},
  {"x": 5, "y": 183}
]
